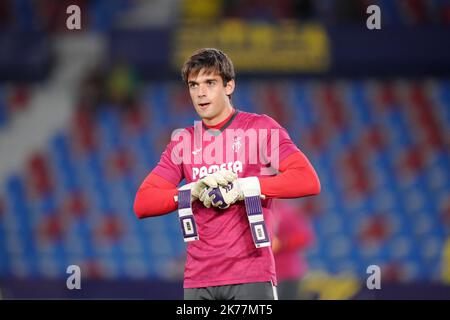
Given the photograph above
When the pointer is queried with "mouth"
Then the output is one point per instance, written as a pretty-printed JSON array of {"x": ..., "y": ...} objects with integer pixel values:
[{"x": 204, "y": 105}]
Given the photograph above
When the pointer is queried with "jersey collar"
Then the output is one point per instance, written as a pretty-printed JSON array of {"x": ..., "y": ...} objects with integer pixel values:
[{"x": 216, "y": 132}]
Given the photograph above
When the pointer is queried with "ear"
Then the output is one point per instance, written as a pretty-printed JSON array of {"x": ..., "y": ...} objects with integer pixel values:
[{"x": 229, "y": 87}]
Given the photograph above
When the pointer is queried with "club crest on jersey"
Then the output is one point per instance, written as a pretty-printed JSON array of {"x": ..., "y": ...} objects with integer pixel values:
[
  {"x": 198, "y": 173},
  {"x": 237, "y": 144}
]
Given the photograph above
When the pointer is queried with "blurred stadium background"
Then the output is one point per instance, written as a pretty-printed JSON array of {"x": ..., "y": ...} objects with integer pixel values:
[{"x": 85, "y": 114}]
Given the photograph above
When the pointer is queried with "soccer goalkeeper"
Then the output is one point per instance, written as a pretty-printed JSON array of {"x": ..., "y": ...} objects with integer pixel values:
[{"x": 225, "y": 205}]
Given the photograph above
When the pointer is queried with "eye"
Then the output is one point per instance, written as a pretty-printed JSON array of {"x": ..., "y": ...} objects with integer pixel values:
[
  {"x": 211, "y": 82},
  {"x": 193, "y": 85}
]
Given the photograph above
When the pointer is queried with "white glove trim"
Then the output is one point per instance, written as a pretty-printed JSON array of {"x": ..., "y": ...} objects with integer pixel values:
[
  {"x": 250, "y": 186},
  {"x": 184, "y": 187}
]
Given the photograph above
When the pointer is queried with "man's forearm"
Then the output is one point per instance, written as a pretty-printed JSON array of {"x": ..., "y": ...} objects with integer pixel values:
[
  {"x": 155, "y": 197},
  {"x": 297, "y": 179}
]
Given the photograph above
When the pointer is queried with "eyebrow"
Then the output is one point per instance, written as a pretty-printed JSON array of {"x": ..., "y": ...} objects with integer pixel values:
[{"x": 206, "y": 80}]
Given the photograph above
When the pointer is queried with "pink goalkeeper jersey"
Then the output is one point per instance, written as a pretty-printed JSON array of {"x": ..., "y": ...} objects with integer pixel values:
[{"x": 247, "y": 144}]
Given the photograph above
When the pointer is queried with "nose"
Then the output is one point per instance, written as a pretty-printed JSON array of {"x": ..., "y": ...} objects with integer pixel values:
[{"x": 201, "y": 91}]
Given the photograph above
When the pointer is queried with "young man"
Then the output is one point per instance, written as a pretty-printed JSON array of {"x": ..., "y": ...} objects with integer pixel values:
[{"x": 230, "y": 161}]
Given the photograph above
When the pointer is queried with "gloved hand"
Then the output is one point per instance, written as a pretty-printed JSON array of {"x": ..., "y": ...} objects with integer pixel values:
[
  {"x": 222, "y": 196},
  {"x": 213, "y": 180}
]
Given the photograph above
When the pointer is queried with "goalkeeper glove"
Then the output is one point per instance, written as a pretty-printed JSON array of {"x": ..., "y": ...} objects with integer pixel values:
[
  {"x": 213, "y": 180},
  {"x": 222, "y": 196}
]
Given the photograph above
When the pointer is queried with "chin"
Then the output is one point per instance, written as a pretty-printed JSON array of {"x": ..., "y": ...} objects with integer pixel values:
[{"x": 206, "y": 114}]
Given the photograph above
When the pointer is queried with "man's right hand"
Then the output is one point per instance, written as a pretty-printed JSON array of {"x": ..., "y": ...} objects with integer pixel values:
[{"x": 218, "y": 178}]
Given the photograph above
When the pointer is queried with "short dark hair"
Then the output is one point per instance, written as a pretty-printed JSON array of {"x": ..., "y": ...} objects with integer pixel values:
[{"x": 212, "y": 60}]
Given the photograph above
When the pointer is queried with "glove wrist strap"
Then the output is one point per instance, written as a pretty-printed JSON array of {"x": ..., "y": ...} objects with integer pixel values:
[
  {"x": 186, "y": 216},
  {"x": 252, "y": 196}
]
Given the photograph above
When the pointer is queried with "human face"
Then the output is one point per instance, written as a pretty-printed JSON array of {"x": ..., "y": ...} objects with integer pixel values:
[{"x": 210, "y": 96}]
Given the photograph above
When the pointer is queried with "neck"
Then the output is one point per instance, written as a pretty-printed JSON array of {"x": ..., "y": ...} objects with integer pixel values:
[{"x": 220, "y": 118}]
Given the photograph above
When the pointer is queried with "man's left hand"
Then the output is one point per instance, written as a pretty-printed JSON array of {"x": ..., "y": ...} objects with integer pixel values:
[{"x": 222, "y": 197}]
